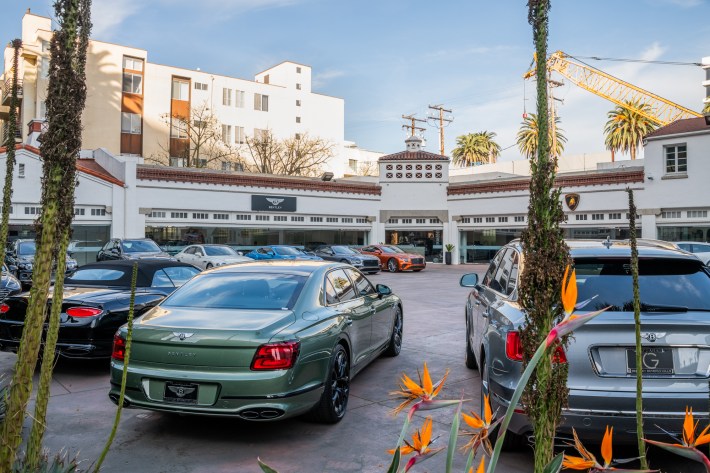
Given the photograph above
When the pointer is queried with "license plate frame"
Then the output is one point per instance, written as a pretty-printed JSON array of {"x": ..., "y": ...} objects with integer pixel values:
[
  {"x": 655, "y": 360},
  {"x": 181, "y": 393}
]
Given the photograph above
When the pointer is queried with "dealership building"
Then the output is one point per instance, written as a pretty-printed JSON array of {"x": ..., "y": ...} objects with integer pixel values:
[{"x": 415, "y": 202}]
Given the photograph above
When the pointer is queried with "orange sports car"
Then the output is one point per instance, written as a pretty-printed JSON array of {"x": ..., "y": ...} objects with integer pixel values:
[{"x": 395, "y": 259}]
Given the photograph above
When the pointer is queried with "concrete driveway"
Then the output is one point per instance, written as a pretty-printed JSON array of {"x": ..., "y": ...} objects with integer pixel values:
[{"x": 80, "y": 413}]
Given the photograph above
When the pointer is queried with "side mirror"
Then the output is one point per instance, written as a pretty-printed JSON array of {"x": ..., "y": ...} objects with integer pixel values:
[
  {"x": 383, "y": 290},
  {"x": 469, "y": 280}
]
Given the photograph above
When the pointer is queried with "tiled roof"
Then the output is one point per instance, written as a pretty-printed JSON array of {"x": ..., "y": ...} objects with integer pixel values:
[
  {"x": 617, "y": 176},
  {"x": 87, "y": 166},
  {"x": 208, "y": 176},
  {"x": 414, "y": 156},
  {"x": 92, "y": 168},
  {"x": 687, "y": 125}
]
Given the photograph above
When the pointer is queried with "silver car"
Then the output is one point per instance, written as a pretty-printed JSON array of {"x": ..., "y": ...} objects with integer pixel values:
[
  {"x": 675, "y": 326},
  {"x": 210, "y": 256}
]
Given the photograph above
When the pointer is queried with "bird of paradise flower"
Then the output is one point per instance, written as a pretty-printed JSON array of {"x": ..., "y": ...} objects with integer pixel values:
[{"x": 687, "y": 446}]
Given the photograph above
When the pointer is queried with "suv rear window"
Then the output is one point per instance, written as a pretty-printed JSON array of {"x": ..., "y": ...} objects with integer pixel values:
[{"x": 662, "y": 283}]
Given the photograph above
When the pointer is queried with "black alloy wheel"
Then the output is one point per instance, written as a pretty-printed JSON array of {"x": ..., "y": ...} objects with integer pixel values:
[
  {"x": 395, "y": 345},
  {"x": 209, "y": 266},
  {"x": 334, "y": 401},
  {"x": 392, "y": 265}
]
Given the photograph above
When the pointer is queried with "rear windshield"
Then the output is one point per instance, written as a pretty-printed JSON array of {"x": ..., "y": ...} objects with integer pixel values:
[
  {"x": 219, "y": 251},
  {"x": 139, "y": 246},
  {"x": 267, "y": 291},
  {"x": 26, "y": 248},
  {"x": 286, "y": 250},
  {"x": 662, "y": 283}
]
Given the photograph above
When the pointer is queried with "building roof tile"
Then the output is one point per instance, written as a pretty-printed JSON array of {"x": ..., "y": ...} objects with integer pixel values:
[
  {"x": 687, "y": 125},
  {"x": 594, "y": 178},
  {"x": 209, "y": 176},
  {"x": 414, "y": 156}
]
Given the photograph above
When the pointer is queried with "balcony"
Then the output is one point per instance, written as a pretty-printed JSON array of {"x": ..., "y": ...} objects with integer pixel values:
[
  {"x": 18, "y": 134},
  {"x": 7, "y": 91}
]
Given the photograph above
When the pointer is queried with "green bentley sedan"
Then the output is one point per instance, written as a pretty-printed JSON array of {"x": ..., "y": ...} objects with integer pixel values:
[{"x": 260, "y": 341}]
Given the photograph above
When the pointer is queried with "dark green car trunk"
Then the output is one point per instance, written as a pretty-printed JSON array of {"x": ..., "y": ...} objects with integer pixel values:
[{"x": 226, "y": 338}]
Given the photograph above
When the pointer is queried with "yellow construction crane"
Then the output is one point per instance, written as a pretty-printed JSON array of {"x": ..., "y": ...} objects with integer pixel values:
[{"x": 615, "y": 90}]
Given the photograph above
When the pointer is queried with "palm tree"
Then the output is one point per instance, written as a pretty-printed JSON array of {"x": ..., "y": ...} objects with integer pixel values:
[
  {"x": 626, "y": 128},
  {"x": 527, "y": 137},
  {"x": 476, "y": 148}
]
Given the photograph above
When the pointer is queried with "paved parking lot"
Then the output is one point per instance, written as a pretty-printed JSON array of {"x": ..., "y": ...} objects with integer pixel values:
[{"x": 80, "y": 413}]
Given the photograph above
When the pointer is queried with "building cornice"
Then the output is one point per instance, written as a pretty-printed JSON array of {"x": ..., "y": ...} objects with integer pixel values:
[{"x": 581, "y": 180}]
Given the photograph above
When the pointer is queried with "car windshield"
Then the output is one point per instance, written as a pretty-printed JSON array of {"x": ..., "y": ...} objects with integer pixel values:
[
  {"x": 99, "y": 276},
  {"x": 287, "y": 250},
  {"x": 140, "y": 246},
  {"x": 344, "y": 250},
  {"x": 219, "y": 251},
  {"x": 662, "y": 283},
  {"x": 391, "y": 249},
  {"x": 225, "y": 290},
  {"x": 26, "y": 248}
]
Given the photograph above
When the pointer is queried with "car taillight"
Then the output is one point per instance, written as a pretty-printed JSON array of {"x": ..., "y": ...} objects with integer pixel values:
[
  {"x": 4, "y": 308},
  {"x": 83, "y": 311},
  {"x": 276, "y": 356},
  {"x": 513, "y": 346},
  {"x": 119, "y": 348},
  {"x": 514, "y": 349}
]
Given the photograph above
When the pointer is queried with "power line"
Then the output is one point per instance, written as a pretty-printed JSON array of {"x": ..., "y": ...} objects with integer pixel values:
[
  {"x": 643, "y": 61},
  {"x": 413, "y": 128},
  {"x": 443, "y": 123}
]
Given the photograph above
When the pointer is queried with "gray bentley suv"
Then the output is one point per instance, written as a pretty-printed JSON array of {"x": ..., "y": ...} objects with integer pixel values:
[{"x": 675, "y": 327}]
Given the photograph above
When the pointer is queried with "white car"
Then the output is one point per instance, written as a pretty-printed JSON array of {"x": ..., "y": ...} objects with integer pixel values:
[
  {"x": 210, "y": 256},
  {"x": 699, "y": 249}
]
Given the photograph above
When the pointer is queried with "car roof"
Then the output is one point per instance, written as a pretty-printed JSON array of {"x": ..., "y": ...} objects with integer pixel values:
[
  {"x": 303, "y": 267},
  {"x": 146, "y": 270},
  {"x": 620, "y": 248}
]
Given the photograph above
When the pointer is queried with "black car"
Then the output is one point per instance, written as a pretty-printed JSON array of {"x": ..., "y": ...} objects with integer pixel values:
[
  {"x": 95, "y": 305},
  {"x": 9, "y": 284},
  {"x": 345, "y": 254},
  {"x": 20, "y": 259},
  {"x": 131, "y": 249}
]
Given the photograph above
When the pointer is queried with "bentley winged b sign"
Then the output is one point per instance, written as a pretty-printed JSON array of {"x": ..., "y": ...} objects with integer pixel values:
[{"x": 275, "y": 203}]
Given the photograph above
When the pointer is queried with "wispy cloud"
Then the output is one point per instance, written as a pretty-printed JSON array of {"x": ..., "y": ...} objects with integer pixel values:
[
  {"x": 108, "y": 15},
  {"x": 683, "y": 3},
  {"x": 322, "y": 78}
]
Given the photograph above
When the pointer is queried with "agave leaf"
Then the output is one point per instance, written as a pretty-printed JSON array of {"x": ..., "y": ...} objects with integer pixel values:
[
  {"x": 453, "y": 436},
  {"x": 394, "y": 466},
  {"x": 264, "y": 467},
  {"x": 555, "y": 465}
]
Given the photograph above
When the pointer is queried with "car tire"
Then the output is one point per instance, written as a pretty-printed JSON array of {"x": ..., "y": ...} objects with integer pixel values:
[
  {"x": 334, "y": 400},
  {"x": 470, "y": 356},
  {"x": 512, "y": 441},
  {"x": 209, "y": 266},
  {"x": 416, "y": 270},
  {"x": 395, "y": 345},
  {"x": 345, "y": 261},
  {"x": 392, "y": 266}
]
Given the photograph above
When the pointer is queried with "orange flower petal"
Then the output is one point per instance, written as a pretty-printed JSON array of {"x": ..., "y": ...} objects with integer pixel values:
[
  {"x": 426, "y": 433},
  {"x": 440, "y": 385},
  {"x": 473, "y": 420},
  {"x": 703, "y": 438},
  {"x": 569, "y": 290},
  {"x": 413, "y": 387},
  {"x": 606, "y": 445},
  {"x": 488, "y": 415},
  {"x": 481, "y": 467},
  {"x": 426, "y": 381},
  {"x": 688, "y": 427},
  {"x": 577, "y": 463}
]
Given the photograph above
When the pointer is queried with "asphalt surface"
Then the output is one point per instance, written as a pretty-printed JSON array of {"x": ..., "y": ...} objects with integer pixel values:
[{"x": 81, "y": 415}]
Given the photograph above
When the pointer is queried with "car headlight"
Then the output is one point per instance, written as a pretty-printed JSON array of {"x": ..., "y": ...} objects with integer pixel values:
[
  {"x": 71, "y": 264},
  {"x": 26, "y": 266},
  {"x": 405, "y": 260},
  {"x": 355, "y": 261}
]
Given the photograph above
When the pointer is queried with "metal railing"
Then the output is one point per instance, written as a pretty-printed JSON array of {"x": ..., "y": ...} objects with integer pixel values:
[{"x": 7, "y": 90}]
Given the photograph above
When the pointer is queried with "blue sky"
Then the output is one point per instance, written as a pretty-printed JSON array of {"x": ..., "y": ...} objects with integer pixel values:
[{"x": 387, "y": 58}]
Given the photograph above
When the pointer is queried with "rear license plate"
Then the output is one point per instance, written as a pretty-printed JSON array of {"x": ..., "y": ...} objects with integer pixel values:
[
  {"x": 653, "y": 360},
  {"x": 181, "y": 393}
]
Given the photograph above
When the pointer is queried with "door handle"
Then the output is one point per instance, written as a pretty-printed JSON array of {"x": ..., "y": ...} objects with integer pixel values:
[{"x": 348, "y": 321}]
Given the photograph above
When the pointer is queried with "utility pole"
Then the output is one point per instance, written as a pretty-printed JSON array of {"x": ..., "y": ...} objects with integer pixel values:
[
  {"x": 413, "y": 128},
  {"x": 443, "y": 122}
]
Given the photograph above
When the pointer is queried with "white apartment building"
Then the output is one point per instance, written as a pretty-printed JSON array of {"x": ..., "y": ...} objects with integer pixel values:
[{"x": 139, "y": 108}]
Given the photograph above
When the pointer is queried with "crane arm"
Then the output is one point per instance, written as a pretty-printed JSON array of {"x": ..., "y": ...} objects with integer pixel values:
[{"x": 615, "y": 90}]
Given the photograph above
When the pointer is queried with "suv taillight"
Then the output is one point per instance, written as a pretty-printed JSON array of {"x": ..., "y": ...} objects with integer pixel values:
[
  {"x": 514, "y": 349},
  {"x": 119, "y": 348},
  {"x": 276, "y": 356},
  {"x": 4, "y": 308}
]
